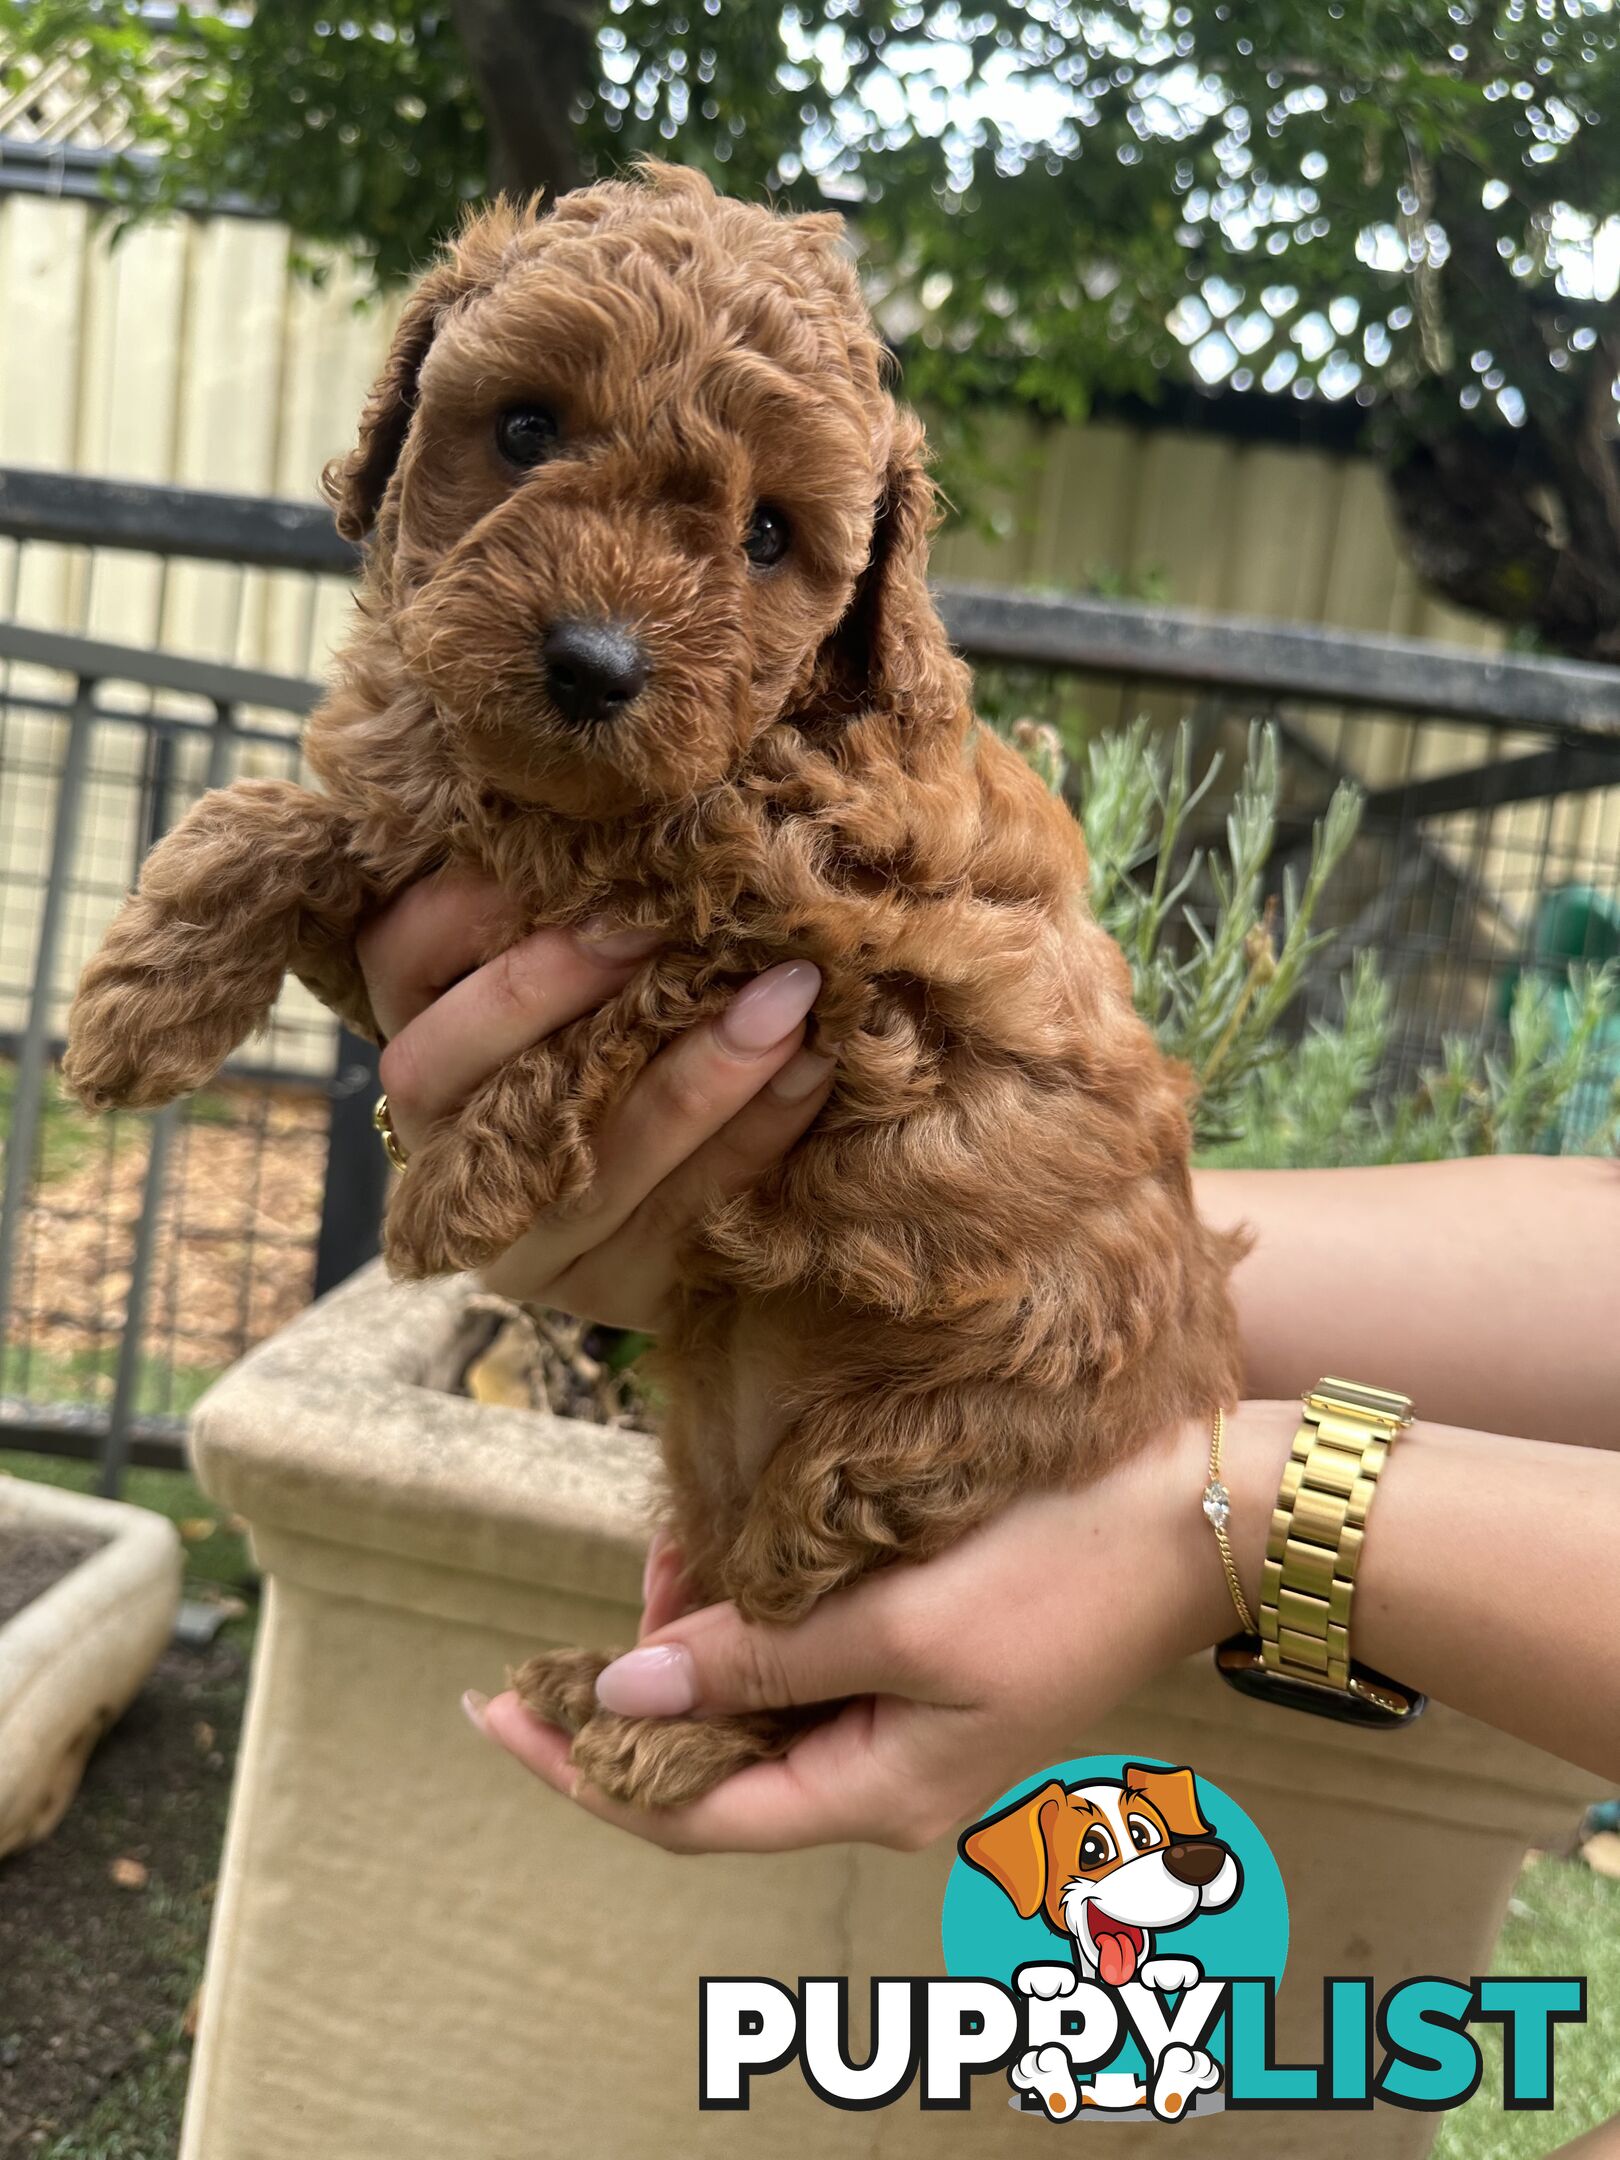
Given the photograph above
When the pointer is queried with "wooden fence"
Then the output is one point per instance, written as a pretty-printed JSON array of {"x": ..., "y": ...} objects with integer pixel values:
[{"x": 195, "y": 352}]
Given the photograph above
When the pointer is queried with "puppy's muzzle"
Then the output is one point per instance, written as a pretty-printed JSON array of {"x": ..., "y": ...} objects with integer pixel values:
[
  {"x": 593, "y": 670},
  {"x": 1195, "y": 1864}
]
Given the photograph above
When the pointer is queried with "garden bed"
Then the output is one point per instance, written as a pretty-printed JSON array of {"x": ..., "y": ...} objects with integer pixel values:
[
  {"x": 32, "y": 1559},
  {"x": 90, "y": 1590}
]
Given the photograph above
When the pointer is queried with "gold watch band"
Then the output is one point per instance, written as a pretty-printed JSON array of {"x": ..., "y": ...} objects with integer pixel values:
[
  {"x": 1307, "y": 1585},
  {"x": 1309, "y": 1578}
]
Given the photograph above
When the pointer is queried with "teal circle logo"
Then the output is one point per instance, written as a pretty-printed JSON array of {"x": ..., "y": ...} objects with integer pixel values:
[{"x": 1125, "y": 1868}]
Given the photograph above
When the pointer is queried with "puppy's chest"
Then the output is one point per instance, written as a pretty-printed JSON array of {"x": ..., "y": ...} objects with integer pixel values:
[{"x": 918, "y": 973}]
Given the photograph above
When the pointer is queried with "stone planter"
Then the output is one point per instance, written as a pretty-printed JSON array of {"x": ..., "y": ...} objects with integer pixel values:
[
  {"x": 73, "y": 1658},
  {"x": 419, "y": 1952}
]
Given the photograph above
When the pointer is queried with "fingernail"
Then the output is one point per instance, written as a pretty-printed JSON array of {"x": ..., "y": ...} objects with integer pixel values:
[
  {"x": 772, "y": 1005},
  {"x": 607, "y": 940},
  {"x": 654, "y": 1682},
  {"x": 473, "y": 1706},
  {"x": 801, "y": 1075}
]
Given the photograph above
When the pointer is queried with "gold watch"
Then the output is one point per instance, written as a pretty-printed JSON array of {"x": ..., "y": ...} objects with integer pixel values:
[{"x": 1301, "y": 1656}]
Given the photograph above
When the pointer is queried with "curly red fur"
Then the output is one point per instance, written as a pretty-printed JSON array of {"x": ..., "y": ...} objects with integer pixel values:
[{"x": 981, "y": 1271}]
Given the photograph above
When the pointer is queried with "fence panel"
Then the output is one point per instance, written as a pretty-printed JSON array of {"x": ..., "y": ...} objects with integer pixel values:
[{"x": 139, "y": 1256}]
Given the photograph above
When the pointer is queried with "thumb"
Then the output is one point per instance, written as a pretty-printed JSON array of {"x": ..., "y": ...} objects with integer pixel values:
[{"x": 714, "y": 1660}]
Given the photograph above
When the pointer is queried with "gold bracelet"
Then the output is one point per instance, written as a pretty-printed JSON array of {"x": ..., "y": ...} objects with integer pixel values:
[
  {"x": 1218, "y": 1512},
  {"x": 1307, "y": 1586}
]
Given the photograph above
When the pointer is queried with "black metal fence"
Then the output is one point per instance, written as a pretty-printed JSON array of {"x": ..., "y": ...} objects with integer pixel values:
[{"x": 139, "y": 1256}]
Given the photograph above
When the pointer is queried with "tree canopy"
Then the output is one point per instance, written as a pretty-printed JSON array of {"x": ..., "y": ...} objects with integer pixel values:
[{"x": 1413, "y": 204}]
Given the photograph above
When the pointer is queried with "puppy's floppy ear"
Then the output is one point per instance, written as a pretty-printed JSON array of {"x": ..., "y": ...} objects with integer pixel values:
[
  {"x": 355, "y": 485},
  {"x": 1013, "y": 1848},
  {"x": 890, "y": 646},
  {"x": 1174, "y": 1793}
]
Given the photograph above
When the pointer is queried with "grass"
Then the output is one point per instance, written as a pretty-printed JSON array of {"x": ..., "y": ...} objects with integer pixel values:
[
  {"x": 137, "y": 2114},
  {"x": 1564, "y": 1919},
  {"x": 131, "y": 2114},
  {"x": 86, "y": 1376},
  {"x": 66, "y": 1136}
]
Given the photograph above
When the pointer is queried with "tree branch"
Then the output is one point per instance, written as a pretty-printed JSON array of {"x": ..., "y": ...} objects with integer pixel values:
[{"x": 531, "y": 59}]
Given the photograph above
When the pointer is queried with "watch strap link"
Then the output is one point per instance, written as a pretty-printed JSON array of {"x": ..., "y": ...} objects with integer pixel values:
[
  {"x": 1317, "y": 1527},
  {"x": 1301, "y": 1657}
]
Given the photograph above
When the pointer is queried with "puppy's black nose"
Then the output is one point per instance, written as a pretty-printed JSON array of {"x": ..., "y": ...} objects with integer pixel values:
[
  {"x": 592, "y": 669},
  {"x": 1195, "y": 1864}
]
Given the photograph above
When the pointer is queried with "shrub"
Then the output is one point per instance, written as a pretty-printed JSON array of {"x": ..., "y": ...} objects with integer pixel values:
[{"x": 1216, "y": 981}]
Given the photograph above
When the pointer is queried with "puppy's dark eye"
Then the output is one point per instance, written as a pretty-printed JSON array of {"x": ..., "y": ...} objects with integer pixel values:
[
  {"x": 1143, "y": 1834},
  {"x": 1096, "y": 1847},
  {"x": 768, "y": 537},
  {"x": 527, "y": 434}
]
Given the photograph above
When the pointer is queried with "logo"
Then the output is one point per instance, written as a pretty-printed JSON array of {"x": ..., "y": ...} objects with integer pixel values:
[
  {"x": 1114, "y": 1933},
  {"x": 1139, "y": 1896}
]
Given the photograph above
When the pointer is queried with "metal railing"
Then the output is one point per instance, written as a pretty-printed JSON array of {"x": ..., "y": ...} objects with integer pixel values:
[
  {"x": 134, "y": 1256},
  {"x": 138, "y": 1256}
]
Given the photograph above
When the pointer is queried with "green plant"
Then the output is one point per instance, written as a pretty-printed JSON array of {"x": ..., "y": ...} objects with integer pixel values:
[
  {"x": 1213, "y": 991},
  {"x": 1215, "y": 982}
]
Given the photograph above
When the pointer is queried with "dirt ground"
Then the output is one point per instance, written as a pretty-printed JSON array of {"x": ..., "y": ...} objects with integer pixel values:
[
  {"x": 31, "y": 1560},
  {"x": 102, "y": 1928},
  {"x": 235, "y": 1242}
]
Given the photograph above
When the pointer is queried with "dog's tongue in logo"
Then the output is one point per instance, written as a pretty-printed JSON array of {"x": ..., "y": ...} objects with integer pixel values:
[{"x": 1119, "y": 1945}]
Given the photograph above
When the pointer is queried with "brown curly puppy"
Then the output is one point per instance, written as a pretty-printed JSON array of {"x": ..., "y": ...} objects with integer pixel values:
[{"x": 645, "y": 633}]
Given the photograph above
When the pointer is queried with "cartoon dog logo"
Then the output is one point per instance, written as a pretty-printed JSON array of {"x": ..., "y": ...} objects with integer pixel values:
[{"x": 1110, "y": 1865}]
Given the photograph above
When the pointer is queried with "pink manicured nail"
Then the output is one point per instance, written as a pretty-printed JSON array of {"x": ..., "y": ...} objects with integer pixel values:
[
  {"x": 772, "y": 1005},
  {"x": 473, "y": 1706},
  {"x": 655, "y": 1682},
  {"x": 612, "y": 943},
  {"x": 801, "y": 1075}
]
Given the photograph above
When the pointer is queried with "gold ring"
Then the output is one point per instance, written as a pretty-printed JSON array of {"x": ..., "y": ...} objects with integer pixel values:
[{"x": 387, "y": 1135}]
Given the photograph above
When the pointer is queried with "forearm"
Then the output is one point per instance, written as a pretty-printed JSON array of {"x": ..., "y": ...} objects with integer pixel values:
[
  {"x": 1485, "y": 1290},
  {"x": 1490, "y": 1577}
]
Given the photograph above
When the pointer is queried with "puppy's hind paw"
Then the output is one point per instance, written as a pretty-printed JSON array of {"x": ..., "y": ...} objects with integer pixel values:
[
  {"x": 1047, "y": 2073},
  {"x": 560, "y": 1686},
  {"x": 644, "y": 1762},
  {"x": 670, "y": 1762},
  {"x": 1179, "y": 2076}
]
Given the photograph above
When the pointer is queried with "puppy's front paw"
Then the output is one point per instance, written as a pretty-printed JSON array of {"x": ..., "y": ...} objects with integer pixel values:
[
  {"x": 135, "y": 1042},
  {"x": 1046, "y": 1982},
  {"x": 1169, "y": 1975},
  {"x": 1047, "y": 2073}
]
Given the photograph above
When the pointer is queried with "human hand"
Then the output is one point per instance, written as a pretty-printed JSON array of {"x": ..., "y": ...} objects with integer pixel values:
[
  {"x": 957, "y": 1676},
  {"x": 708, "y": 1115}
]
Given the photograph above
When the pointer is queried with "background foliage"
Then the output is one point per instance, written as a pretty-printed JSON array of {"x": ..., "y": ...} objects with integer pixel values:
[
  {"x": 1410, "y": 205},
  {"x": 1218, "y": 965}
]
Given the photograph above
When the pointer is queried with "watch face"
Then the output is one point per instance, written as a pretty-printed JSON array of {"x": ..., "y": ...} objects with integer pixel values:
[{"x": 1369, "y": 1700}]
